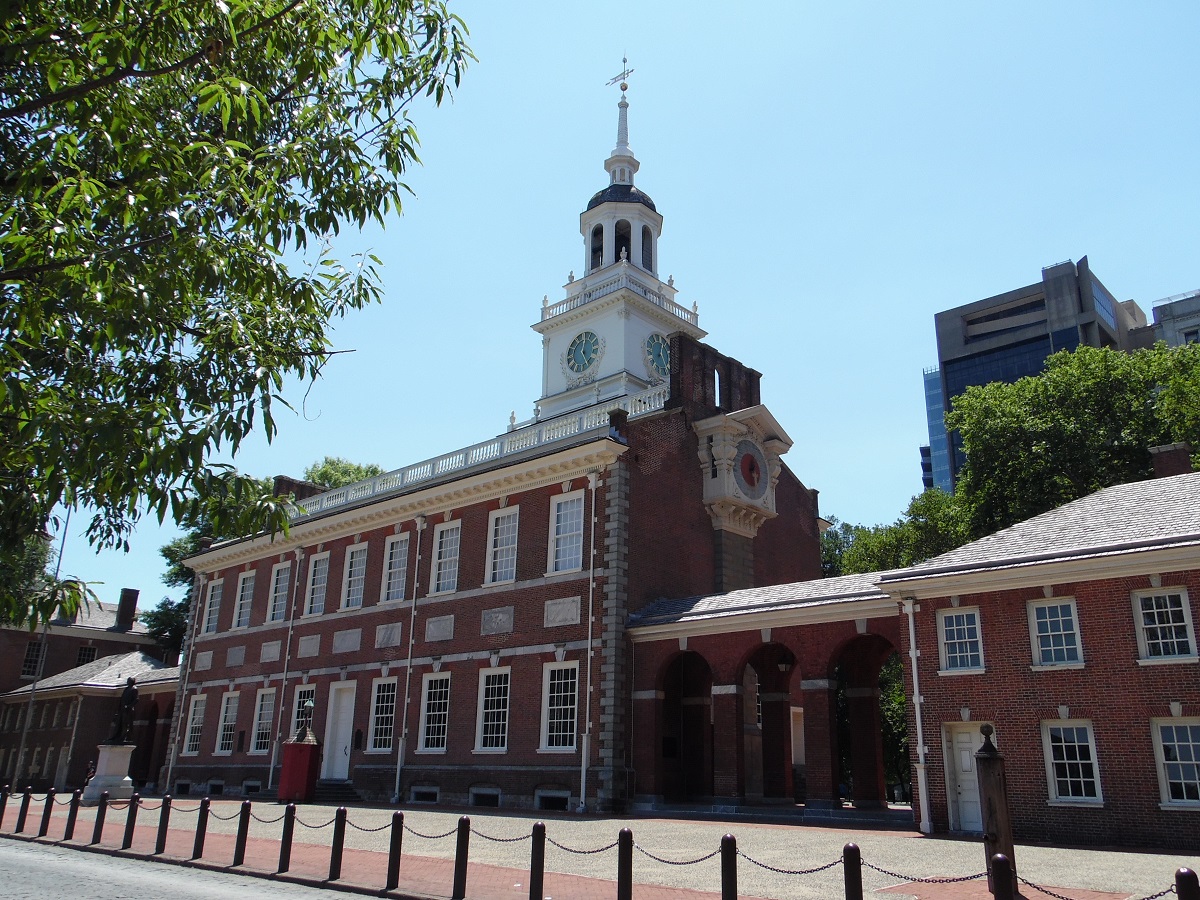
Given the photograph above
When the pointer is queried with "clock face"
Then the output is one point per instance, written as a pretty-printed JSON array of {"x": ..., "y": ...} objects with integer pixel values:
[
  {"x": 750, "y": 470},
  {"x": 583, "y": 351},
  {"x": 658, "y": 355}
]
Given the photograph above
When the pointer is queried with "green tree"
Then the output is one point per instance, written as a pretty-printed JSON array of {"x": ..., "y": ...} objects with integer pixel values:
[
  {"x": 835, "y": 541},
  {"x": 932, "y": 524},
  {"x": 335, "y": 472},
  {"x": 1086, "y": 422},
  {"x": 169, "y": 176}
]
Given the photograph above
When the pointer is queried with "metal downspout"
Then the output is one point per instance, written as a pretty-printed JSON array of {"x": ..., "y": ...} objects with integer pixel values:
[
  {"x": 926, "y": 825},
  {"x": 585, "y": 750},
  {"x": 412, "y": 624},
  {"x": 287, "y": 663}
]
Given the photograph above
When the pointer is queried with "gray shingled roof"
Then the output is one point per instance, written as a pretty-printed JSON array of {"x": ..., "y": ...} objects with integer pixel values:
[
  {"x": 97, "y": 615},
  {"x": 774, "y": 597},
  {"x": 107, "y": 672},
  {"x": 1161, "y": 512}
]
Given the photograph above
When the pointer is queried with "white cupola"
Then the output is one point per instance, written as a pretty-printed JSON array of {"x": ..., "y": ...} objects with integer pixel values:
[{"x": 610, "y": 336}]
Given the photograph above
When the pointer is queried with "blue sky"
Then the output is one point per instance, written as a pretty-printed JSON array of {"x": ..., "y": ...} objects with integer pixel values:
[{"x": 830, "y": 175}]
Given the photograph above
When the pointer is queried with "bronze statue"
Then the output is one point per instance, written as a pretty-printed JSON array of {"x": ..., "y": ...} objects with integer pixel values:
[{"x": 124, "y": 718}]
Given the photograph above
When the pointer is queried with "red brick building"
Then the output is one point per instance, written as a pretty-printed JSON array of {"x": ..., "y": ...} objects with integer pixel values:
[
  {"x": 100, "y": 629},
  {"x": 1073, "y": 634},
  {"x": 460, "y": 624},
  {"x": 72, "y": 713}
]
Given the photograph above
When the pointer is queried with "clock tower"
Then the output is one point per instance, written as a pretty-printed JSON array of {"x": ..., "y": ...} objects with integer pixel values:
[{"x": 609, "y": 337}]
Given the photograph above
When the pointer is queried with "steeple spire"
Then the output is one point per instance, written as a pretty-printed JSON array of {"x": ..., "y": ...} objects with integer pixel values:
[{"x": 621, "y": 163}]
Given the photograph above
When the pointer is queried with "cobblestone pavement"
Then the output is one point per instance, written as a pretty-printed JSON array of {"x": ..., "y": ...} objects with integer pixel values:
[{"x": 499, "y": 854}]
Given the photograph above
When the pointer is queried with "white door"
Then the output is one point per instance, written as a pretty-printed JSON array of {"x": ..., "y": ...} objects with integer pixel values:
[
  {"x": 339, "y": 732},
  {"x": 962, "y": 741}
]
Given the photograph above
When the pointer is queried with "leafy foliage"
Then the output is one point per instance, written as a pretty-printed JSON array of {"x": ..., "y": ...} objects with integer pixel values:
[
  {"x": 169, "y": 176},
  {"x": 335, "y": 472},
  {"x": 1086, "y": 422},
  {"x": 167, "y": 622},
  {"x": 932, "y": 524}
]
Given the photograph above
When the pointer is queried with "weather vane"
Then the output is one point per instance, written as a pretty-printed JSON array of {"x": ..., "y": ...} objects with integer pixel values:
[{"x": 623, "y": 78}]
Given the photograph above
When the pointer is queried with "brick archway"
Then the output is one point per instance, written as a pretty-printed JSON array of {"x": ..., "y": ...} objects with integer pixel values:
[
  {"x": 685, "y": 752},
  {"x": 857, "y": 665},
  {"x": 766, "y": 722}
]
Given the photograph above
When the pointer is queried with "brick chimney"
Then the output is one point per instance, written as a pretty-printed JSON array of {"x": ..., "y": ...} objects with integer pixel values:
[
  {"x": 1171, "y": 459},
  {"x": 297, "y": 487},
  {"x": 126, "y": 607}
]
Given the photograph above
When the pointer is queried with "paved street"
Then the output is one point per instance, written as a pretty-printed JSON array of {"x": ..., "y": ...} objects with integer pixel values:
[{"x": 499, "y": 866}]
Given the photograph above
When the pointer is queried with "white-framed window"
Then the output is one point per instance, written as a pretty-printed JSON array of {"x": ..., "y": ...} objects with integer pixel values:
[
  {"x": 195, "y": 724},
  {"x": 1164, "y": 625},
  {"x": 446, "y": 538},
  {"x": 959, "y": 642},
  {"x": 85, "y": 656},
  {"x": 303, "y": 694},
  {"x": 264, "y": 712},
  {"x": 1177, "y": 752},
  {"x": 318, "y": 581},
  {"x": 281, "y": 583},
  {"x": 491, "y": 726},
  {"x": 212, "y": 606},
  {"x": 354, "y": 577},
  {"x": 560, "y": 700},
  {"x": 31, "y": 666},
  {"x": 245, "y": 600},
  {"x": 383, "y": 715},
  {"x": 566, "y": 533},
  {"x": 1072, "y": 773},
  {"x": 395, "y": 568},
  {"x": 502, "y": 545},
  {"x": 1054, "y": 633},
  {"x": 435, "y": 712},
  {"x": 227, "y": 724}
]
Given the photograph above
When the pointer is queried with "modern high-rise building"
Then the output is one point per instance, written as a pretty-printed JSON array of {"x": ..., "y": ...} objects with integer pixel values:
[{"x": 1008, "y": 337}]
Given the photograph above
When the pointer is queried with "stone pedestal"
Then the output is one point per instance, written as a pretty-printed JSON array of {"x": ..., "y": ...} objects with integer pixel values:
[{"x": 112, "y": 774}]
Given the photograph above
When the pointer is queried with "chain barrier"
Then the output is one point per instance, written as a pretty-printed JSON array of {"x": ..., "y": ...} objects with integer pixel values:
[
  {"x": 184, "y": 809},
  {"x": 278, "y": 818},
  {"x": 363, "y": 828},
  {"x": 212, "y": 812},
  {"x": 432, "y": 837},
  {"x": 550, "y": 840},
  {"x": 143, "y": 805},
  {"x": 60, "y": 800},
  {"x": 676, "y": 862},
  {"x": 117, "y": 804},
  {"x": 300, "y": 821},
  {"x": 777, "y": 871},
  {"x": 1160, "y": 894},
  {"x": 501, "y": 840},
  {"x": 948, "y": 879}
]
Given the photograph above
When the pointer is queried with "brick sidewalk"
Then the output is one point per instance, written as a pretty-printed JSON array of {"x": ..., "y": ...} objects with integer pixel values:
[{"x": 363, "y": 871}]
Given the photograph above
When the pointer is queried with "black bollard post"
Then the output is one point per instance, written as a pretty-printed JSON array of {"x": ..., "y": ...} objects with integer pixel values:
[
  {"x": 130, "y": 821},
  {"x": 72, "y": 815},
  {"x": 537, "y": 861},
  {"x": 339, "y": 837},
  {"x": 460, "y": 859},
  {"x": 45, "y": 826},
  {"x": 393, "y": 872},
  {"x": 101, "y": 811},
  {"x": 23, "y": 812},
  {"x": 993, "y": 797},
  {"x": 1002, "y": 878},
  {"x": 285, "y": 842},
  {"x": 729, "y": 867},
  {"x": 243, "y": 832},
  {"x": 201, "y": 828},
  {"x": 3, "y": 804},
  {"x": 625, "y": 865},
  {"x": 164, "y": 821},
  {"x": 852, "y": 871},
  {"x": 1187, "y": 886}
]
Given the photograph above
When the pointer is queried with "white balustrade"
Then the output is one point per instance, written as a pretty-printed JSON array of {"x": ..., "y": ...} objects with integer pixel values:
[
  {"x": 625, "y": 280},
  {"x": 537, "y": 434}
]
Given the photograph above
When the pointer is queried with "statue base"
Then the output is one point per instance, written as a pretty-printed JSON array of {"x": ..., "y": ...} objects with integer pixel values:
[{"x": 112, "y": 774}]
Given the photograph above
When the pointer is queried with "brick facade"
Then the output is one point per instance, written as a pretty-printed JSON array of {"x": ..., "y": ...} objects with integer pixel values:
[{"x": 646, "y": 534}]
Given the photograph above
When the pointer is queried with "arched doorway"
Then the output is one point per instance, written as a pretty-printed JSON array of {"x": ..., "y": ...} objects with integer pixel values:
[
  {"x": 860, "y": 746},
  {"x": 767, "y": 722},
  {"x": 686, "y": 752}
]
